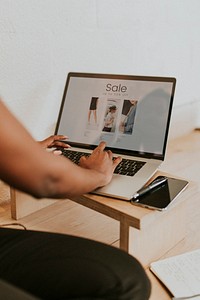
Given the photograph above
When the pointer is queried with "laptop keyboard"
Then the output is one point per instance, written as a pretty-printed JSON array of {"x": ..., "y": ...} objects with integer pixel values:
[
  {"x": 126, "y": 166},
  {"x": 129, "y": 167}
]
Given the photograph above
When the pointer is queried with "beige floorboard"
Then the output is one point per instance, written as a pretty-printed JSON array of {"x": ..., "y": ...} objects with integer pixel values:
[{"x": 68, "y": 217}]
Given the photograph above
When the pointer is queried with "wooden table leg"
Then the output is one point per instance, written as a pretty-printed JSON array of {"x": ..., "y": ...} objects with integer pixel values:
[{"x": 124, "y": 234}]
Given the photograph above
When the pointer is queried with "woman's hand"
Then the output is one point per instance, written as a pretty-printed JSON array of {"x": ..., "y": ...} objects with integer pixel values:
[
  {"x": 56, "y": 141},
  {"x": 102, "y": 161}
]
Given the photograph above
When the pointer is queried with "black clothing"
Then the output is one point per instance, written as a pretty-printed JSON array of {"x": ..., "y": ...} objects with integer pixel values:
[
  {"x": 93, "y": 103},
  {"x": 57, "y": 266}
]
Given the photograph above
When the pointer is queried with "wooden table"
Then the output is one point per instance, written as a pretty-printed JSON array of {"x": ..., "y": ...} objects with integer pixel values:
[
  {"x": 147, "y": 234},
  {"x": 140, "y": 228}
]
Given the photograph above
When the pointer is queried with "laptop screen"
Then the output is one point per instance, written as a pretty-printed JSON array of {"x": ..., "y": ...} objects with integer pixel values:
[{"x": 130, "y": 113}]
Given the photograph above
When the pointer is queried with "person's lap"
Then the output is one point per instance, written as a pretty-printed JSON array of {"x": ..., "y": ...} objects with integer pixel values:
[{"x": 56, "y": 266}]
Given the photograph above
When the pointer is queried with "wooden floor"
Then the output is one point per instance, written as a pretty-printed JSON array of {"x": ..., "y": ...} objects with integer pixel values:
[{"x": 65, "y": 216}]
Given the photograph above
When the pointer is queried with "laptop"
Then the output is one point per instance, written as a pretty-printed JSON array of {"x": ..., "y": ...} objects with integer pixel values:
[{"x": 130, "y": 113}]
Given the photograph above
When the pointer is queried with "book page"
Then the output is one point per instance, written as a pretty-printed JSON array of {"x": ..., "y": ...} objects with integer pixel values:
[{"x": 180, "y": 274}]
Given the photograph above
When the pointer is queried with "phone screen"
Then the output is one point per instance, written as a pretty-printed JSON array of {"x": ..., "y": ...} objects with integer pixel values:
[{"x": 160, "y": 197}]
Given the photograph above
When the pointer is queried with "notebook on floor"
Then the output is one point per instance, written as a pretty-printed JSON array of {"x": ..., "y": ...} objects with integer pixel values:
[{"x": 130, "y": 113}]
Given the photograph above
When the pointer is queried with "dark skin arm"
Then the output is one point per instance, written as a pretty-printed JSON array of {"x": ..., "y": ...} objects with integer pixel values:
[{"x": 25, "y": 165}]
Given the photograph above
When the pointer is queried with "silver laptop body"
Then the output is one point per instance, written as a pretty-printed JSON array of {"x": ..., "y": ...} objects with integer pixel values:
[{"x": 131, "y": 113}]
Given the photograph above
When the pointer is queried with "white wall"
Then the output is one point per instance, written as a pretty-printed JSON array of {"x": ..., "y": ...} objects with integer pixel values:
[{"x": 42, "y": 40}]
